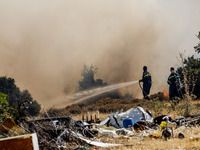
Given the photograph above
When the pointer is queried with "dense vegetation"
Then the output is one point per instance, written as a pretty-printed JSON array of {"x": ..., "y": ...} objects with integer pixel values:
[
  {"x": 5, "y": 111},
  {"x": 15, "y": 103},
  {"x": 192, "y": 71},
  {"x": 197, "y": 48}
]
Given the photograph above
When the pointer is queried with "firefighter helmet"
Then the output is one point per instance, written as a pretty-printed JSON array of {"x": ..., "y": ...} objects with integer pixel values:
[{"x": 172, "y": 68}]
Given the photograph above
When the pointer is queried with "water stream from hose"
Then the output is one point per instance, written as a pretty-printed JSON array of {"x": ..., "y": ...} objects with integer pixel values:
[{"x": 84, "y": 95}]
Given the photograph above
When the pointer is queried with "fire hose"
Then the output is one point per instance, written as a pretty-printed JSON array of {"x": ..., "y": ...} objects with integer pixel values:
[
  {"x": 178, "y": 90},
  {"x": 140, "y": 86},
  {"x": 143, "y": 90}
]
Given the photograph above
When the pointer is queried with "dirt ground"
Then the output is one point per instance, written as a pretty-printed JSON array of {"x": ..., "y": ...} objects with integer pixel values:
[{"x": 191, "y": 141}]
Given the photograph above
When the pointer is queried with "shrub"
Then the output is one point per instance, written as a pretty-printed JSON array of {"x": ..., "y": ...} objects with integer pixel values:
[
  {"x": 157, "y": 106},
  {"x": 159, "y": 96}
]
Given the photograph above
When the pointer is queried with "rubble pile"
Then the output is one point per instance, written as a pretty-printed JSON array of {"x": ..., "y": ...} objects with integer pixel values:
[
  {"x": 55, "y": 132},
  {"x": 66, "y": 133}
]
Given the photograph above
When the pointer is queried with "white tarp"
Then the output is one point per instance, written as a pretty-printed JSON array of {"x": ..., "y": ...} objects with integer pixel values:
[
  {"x": 137, "y": 114},
  {"x": 99, "y": 144}
]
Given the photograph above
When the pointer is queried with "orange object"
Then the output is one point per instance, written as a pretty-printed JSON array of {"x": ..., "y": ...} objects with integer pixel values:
[
  {"x": 8, "y": 124},
  {"x": 141, "y": 128},
  {"x": 165, "y": 92},
  {"x": 22, "y": 142}
]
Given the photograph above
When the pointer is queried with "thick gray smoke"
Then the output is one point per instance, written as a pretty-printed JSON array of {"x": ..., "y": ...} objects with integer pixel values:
[{"x": 44, "y": 44}]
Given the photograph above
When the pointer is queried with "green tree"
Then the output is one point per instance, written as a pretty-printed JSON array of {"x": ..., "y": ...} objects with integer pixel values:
[
  {"x": 7, "y": 86},
  {"x": 5, "y": 110},
  {"x": 22, "y": 102},
  {"x": 26, "y": 102},
  {"x": 3, "y": 106},
  {"x": 88, "y": 81},
  {"x": 197, "y": 48},
  {"x": 192, "y": 71}
]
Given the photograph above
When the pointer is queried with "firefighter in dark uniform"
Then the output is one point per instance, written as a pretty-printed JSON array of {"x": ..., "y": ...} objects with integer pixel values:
[
  {"x": 173, "y": 81},
  {"x": 146, "y": 79}
]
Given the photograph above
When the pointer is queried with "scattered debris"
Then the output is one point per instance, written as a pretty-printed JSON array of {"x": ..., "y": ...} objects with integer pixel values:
[
  {"x": 99, "y": 144},
  {"x": 197, "y": 138},
  {"x": 54, "y": 132},
  {"x": 158, "y": 120},
  {"x": 10, "y": 126},
  {"x": 89, "y": 118},
  {"x": 128, "y": 123},
  {"x": 181, "y": 135},
  {"x": 166, "y": 133},
  {"x": 27, "y": 142},
  {"x": 140, "y": 128},
  {"x": 136, "y": 114},
  {"x": 65, "y": 133},
  {"x": 156, "y": 136}
]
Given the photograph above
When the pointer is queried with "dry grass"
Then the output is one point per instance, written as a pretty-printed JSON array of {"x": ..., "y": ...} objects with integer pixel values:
[{"x": 156, "y": 106}]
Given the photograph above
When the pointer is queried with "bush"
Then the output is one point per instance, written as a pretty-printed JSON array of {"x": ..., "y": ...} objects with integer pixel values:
[
  {"x": 88, "y": 81},
  {"x": 5, "y": 110},
  {"x": 157, "y": 106},
  {"x": 191, "y": 70},
  {"x": 20, "y": 103},
  {"x": 159, "y": 96}
]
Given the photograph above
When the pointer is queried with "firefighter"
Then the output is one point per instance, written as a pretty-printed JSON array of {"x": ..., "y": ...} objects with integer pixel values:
[
  {"x": 174, "y": 85},
  {"x": 146, "y": 79}
]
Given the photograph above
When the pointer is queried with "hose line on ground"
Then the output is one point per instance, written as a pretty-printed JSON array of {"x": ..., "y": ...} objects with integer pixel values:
[{"x": 143, "y": 90}]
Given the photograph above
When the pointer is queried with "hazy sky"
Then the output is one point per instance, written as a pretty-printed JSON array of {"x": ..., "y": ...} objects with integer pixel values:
[{"x": 45, "y": 43}]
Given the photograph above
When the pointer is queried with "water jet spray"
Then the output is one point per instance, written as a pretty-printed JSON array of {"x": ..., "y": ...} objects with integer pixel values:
[{"x": 82, "y": 97}]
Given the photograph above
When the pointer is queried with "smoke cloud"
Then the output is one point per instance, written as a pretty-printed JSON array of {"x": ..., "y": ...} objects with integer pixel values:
[{"x": 44, "y": 44}]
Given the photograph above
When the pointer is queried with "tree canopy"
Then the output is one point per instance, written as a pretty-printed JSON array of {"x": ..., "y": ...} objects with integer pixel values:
[
  {"x": 192, "y": 69},
  {"x": 88, "y": 81},
  {"x": 21, "y": 101},
  {"x": 7, "y": 86},
  {"x": 197, "y": 48},
  {"x": 3, "y": 106}
]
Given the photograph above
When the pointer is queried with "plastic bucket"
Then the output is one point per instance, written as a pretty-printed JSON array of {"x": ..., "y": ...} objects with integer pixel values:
[{"x": 127, "y": 123}]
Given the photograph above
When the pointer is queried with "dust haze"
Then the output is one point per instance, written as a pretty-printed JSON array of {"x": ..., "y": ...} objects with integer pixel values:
[{"x": 44, "y": 44}]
